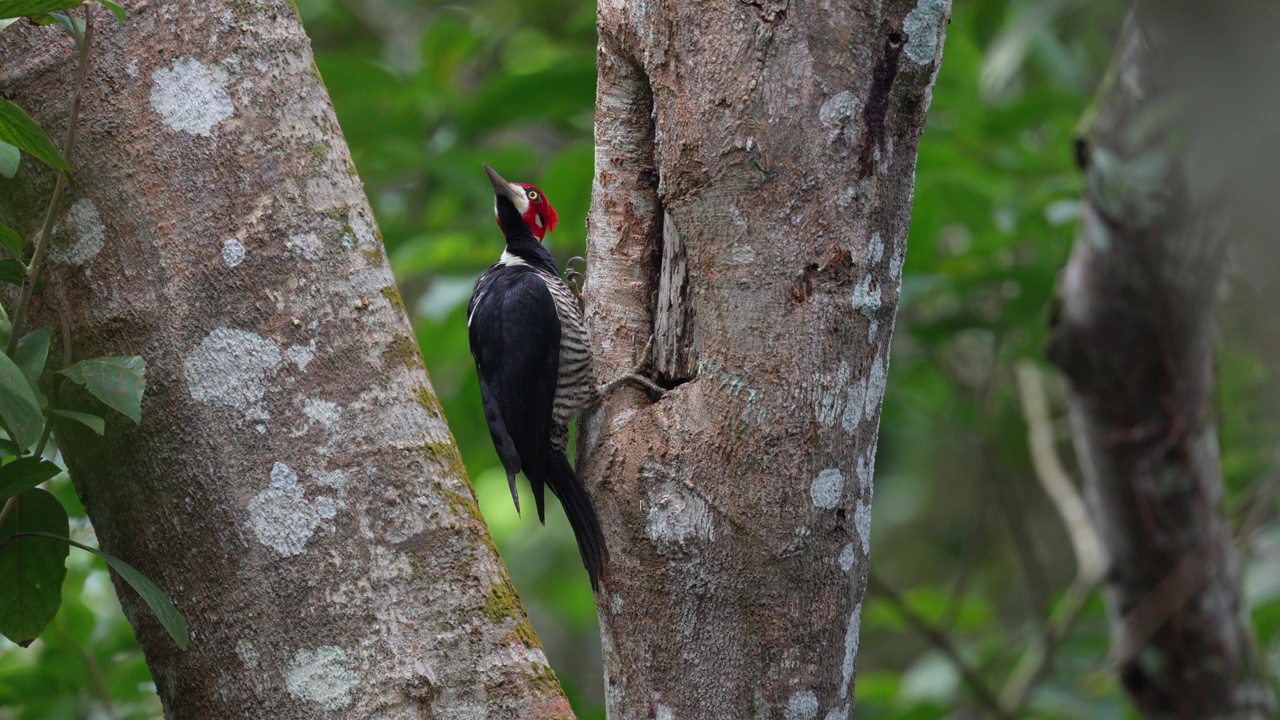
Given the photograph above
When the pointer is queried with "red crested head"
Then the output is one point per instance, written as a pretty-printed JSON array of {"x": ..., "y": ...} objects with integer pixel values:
[
  {"x": 529, "y": 202},
  {"x": 540, "y": 217}
]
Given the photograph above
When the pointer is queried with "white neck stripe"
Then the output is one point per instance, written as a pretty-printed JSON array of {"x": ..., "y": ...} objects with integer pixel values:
[{"x": 509, "y": 259}]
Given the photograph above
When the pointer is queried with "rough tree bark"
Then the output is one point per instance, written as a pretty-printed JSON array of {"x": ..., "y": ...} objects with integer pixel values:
[
  {"x": 293, "y": 485},
  {"x": 754, "y": 170},
  {"x": 1132, "y": 333}
]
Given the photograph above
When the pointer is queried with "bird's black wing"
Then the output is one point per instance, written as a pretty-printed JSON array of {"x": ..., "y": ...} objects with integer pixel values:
[{"x": 515, "y": 339}]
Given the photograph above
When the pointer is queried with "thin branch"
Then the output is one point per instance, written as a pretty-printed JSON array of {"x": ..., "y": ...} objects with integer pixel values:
[
  {"x": 1253, "y": 515},
  {"x": 981, "y": 691},
  {"x": 44, "y": 437},
  {"x": 1038, "y": 657},
  {"x": 1090, "y": 561},
  {"x": 96, "y": 678},
  {"x": 1057, "y": 484},
  {"x": 1164, "y": 600},
  {"x": 32, "y": 271},
  {"x": 8, "y": 508}
]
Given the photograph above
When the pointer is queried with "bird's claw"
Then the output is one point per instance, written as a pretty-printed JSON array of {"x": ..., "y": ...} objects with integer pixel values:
[
  {"x": 576, "y": 278},
  {"x": 634, "y": 377}
]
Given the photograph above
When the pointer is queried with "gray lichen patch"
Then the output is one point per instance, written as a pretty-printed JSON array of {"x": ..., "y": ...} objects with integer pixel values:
[
  {"x": 364, "y": 231},
  {"x": 232, "y": 252},
  {"x": 876, "y": 382},
  {"x": 306, "y": 246},
  {"x": 851, "y": 649},
  {"x": 827, "y": 488},
  {"x": 79, "y": 237},
  {"x": 803, "y": 705},
  {"x": 301, "y": 355},
  {"x": 324, "y": 676},
  {"x": 232, "y": 368},
  {"x": 188, "y": 97},
  {"x": 862, "y": 522},
  {"x": 322, "y": 411},
  {"x": 282, "y": 518},
  {"x": 922, "y": 26},
  {"x": 846, "y": 557},
  {"x": 855, "y": 403},
  {"x": 866, "y": 296},
  {"x": 838, "y": 108}
]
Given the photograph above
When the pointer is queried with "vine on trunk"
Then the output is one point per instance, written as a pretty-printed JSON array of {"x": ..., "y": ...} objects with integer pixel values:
[{"x": 34, "y": 527}]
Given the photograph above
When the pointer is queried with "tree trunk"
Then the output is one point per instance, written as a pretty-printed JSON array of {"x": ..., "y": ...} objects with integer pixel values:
[
  {"x": 754, "y": 170},
  {"x": 293, "y": 485},
  {"x": 1133, "y": 335}
]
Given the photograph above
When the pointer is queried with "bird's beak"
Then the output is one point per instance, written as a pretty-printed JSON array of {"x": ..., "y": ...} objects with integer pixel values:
[{"x": 502, "y": 187}]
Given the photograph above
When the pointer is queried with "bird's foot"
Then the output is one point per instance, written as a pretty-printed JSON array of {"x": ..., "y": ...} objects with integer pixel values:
[
  {"x": 576, "y": 279},
  {"x": 634, "y": 377}
]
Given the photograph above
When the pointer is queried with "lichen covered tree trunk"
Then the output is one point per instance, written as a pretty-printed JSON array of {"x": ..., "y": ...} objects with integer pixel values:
[
  {"x": 293, "y": 485},
  {"x": 1133, "y": 334},
  {"x": 754, "y": 170}
]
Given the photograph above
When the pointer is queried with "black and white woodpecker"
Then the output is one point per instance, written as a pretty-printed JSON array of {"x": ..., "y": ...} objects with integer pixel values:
[{"x": 533, "y": 356}]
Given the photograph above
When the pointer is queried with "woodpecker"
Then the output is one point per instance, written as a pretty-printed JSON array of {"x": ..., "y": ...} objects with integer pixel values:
[{"x": 533, "y": 357}]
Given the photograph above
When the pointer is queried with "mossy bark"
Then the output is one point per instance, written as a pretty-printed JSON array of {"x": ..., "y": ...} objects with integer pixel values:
[{"x": 293, "y": 486}]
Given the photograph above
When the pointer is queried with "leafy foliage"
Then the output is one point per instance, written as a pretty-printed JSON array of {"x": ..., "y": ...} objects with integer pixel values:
[
  {"x": 116, "y": 381},
  {"x": 19, "y": 130},
  {"x": 164, "y": 610},
  {"x": 19, "y": 407},
  {"x": 31, "y": 569},
  {"x": 28, "y": 8},
  {"x": 34, "y": 526},
  {"x": 10, "y": 158},
  {"x": 25, "y": 473}
]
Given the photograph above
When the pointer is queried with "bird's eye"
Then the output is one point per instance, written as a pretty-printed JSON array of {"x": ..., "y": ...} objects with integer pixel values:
[{"x": 533, "y": 195}]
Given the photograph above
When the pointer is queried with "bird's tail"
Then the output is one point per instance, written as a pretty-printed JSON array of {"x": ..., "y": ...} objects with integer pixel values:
[{"x": 564, "y": 482}]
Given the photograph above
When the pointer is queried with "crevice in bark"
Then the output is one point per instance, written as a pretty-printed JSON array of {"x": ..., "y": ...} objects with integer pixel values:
[
  {"x": 834, "y": 272},
  {"x": 769, "y": 10},
  {"x": 675, "y": 356},
  {"x": 877, "y": 107},
  {"x": 657, "y": 289}
]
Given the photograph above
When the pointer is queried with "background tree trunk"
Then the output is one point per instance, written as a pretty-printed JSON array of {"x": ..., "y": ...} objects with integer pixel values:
[
  {"x": 293, "y": 485},
  {"x": 1133, "y": 335},
  {"x": 754, "y": 170}
]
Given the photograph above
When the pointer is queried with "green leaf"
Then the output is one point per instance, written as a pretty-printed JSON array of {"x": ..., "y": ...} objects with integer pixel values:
[
  {"x": 9, "y": 448},
  {"x": 31, "y": 352},
  {"x": 11, "y": 272},
  {"x": 116, "y": 381},
  {"x": 18, "y": 405},
  {"x": 115, "y": 10},
  {"x": 18, "y": 129},
  {"x": 73, "y": 25},
  {"x": 22, "y": 8},
  {"x": 11, "y": 241},
  {"x": 10, "y": 158},
  {"x": 23, "y": 474},
  {"x": 93, "y": 422},
  {"x": 164, "y": 610},
  {"x": 31, "y": 570}
]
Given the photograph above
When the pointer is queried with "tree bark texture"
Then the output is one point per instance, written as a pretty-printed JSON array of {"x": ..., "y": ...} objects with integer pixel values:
[
  {"x": 754, "y": 171},
  {"x": 1132, "y": 333},
  {"x": 293, "y": 485}
]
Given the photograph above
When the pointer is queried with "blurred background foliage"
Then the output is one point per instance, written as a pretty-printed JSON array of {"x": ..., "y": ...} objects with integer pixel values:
[{"x": 426, "y": 91}]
